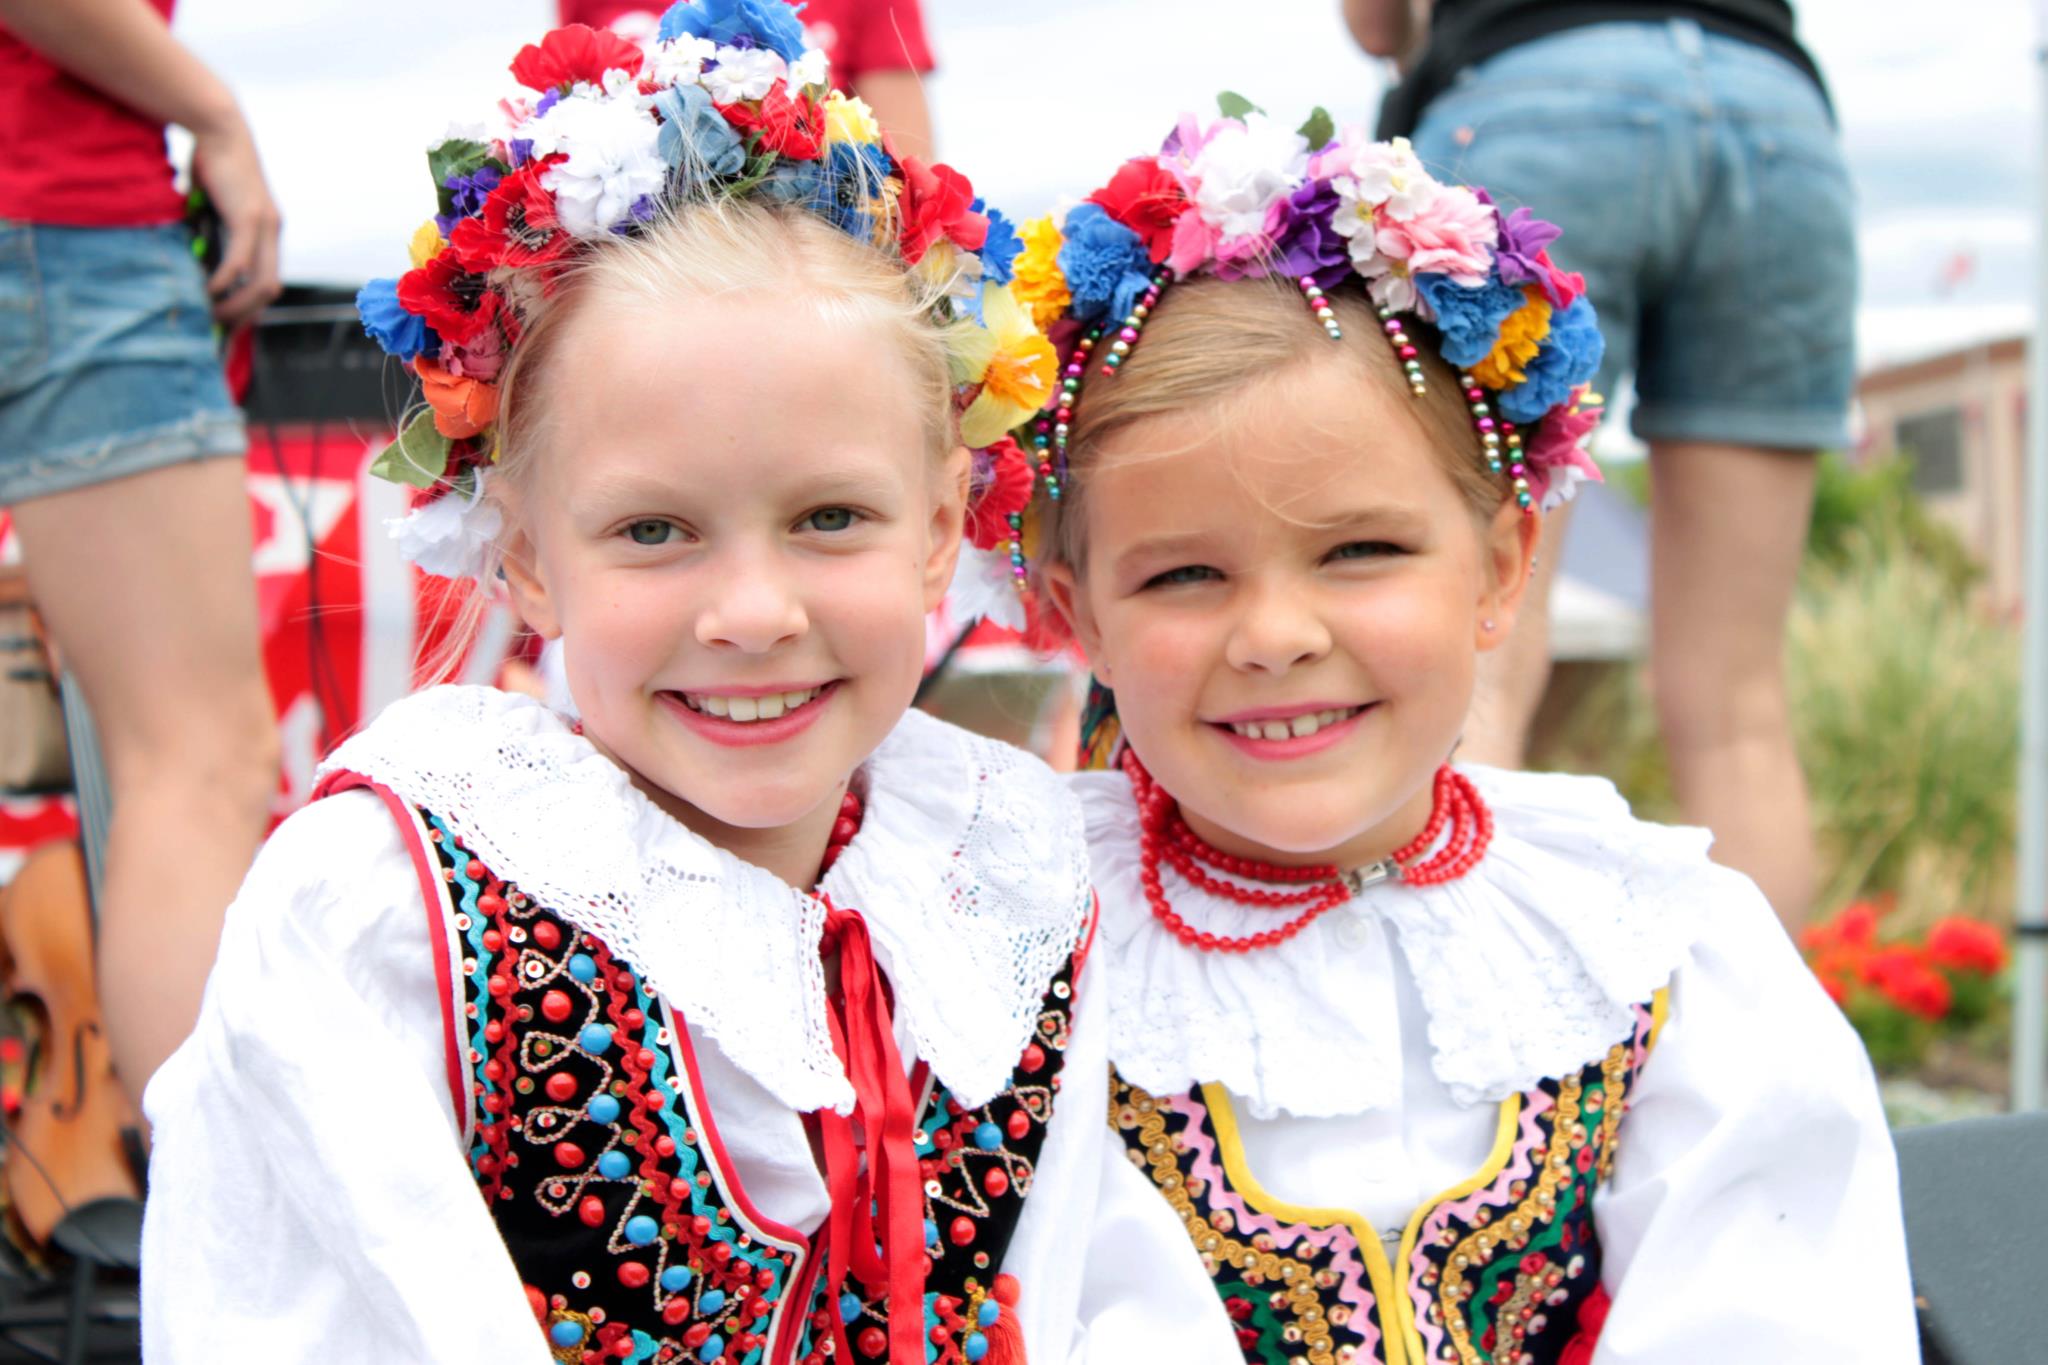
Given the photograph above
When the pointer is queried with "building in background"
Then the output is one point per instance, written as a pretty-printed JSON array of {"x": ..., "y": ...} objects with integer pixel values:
[{"x": 1961, "y": 416}]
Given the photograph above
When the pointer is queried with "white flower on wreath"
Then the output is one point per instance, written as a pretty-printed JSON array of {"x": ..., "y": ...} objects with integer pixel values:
[
  {"x": 451, "y": 536},
  {"x": 813, "y": 68},
  {"x": 680, "y": 61},
  {"x": 1243, "y": 170},
  {"x": 744, "y": 74},
  {"x": 1390, "y": 175},
  {"x": 613, "y": 160},
  {"x": 984, "y": 589}
]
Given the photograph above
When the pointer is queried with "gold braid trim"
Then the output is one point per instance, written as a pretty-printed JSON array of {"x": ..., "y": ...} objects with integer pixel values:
[
  {"x": 1296, "y": 1278},
  {"x": 1614, "y": 1073},
  {"x": 1477, "y": 1249}
]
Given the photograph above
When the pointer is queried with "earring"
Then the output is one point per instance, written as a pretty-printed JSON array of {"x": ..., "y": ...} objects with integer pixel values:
[{"x": 1487, "y": 624}]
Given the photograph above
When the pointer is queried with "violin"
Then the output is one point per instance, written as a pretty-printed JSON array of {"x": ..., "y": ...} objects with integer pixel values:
[
  {"x": 69, "y": 1122},
  {"x": 65, "y": 1143}
]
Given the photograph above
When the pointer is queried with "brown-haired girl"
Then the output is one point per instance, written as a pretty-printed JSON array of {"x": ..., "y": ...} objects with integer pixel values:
[{"x": 1432, "y": 1063}]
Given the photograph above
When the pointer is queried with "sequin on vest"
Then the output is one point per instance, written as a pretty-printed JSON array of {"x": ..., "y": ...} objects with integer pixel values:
[{"x": 1502, "y": 1270}]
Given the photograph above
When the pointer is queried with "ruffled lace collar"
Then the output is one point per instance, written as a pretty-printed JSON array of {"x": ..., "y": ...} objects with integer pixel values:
[
  {"x": 969, "y": 868},
  {"x": 1528, "y": 967}
]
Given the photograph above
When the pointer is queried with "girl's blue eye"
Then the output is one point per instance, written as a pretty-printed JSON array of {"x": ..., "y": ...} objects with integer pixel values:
[
  {"x": 1366, "y": 549},
  {"x": 1187, "y": 573},
  {"x": 831, "y": 519},
  {"x": 650, "y": 532}
]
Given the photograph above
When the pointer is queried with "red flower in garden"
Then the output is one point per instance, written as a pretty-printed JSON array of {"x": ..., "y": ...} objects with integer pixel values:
[
  {"x": 574, "y": 53},
  {"x": 1007, "y": 493},
  {"x": 518, "y": 227},
  {"x": 937, "y": 202},
  {"x": 1901, "y": 974},
  {"x": 1144, "y": 197},
  {"x": 1966, "y": 945},
  {"x": 456, "y": 303},
  {"x": 794, "y": 128}
]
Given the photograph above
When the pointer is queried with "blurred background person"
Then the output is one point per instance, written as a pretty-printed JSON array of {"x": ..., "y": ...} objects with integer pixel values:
[
  {"x": 877, "y": 49},
  {"x": 120, "y": 463},
  {"x": 1687, "y": 149}
]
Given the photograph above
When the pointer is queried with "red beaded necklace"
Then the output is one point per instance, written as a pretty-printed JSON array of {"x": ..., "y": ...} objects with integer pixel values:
[
  {"x": 1318, "y": 888},
  {"x": 844, "y": 827}
]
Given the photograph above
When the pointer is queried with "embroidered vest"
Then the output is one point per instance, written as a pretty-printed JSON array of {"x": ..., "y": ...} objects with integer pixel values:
[
  {"x": 591, "y": 1138},
  {"x": 1500, "y": 1270}
]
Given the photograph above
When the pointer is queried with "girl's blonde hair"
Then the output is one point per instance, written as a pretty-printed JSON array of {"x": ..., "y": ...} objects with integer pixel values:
[
  {"x": 700, "y": 250},
  {"x": 717, "y": 249},
  {"x": 1209, "y": 340}
]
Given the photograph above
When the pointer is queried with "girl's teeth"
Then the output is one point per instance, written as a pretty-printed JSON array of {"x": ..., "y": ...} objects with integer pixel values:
[
  {"x": 1301, "y": 727},
  {"x": 752, "y": 708}
]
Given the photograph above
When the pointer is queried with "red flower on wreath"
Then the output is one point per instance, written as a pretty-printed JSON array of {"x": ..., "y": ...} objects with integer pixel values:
[
  {"x": 937, "y": 202},
  {"x": 518, "y": 228},
  {"x": 457, "y": 303},
  {"x": 574, "y": 53},
  {"x": 794, "y": 128},
  {"x": 1146, "y": 198},
  {"x": 1006, "y": 493}
]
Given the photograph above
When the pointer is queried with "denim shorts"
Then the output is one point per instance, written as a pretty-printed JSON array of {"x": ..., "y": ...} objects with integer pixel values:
[
  {"x": 107, "y": 359},
  {"x": 1702, "y": 192}
]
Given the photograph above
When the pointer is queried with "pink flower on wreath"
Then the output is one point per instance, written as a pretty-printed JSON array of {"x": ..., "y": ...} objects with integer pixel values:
[
  {"x": 1556, "y": 455},
  {"x": 1452, "y": 234}
]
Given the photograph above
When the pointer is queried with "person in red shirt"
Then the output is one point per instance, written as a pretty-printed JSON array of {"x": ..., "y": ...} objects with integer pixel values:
[
  {"x": 877, "y": 49},
  {"x": 120, "y": 464}
]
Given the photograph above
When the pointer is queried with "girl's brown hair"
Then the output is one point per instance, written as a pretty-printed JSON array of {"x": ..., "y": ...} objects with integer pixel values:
[{"x": 1208, "y": 340}]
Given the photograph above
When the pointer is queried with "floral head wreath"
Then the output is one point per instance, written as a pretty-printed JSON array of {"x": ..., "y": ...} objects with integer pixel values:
[
  {"x": 1246, "y": 198},
  {"x": 725, "y": 103}
]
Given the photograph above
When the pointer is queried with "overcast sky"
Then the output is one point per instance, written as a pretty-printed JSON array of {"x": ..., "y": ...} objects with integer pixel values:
[{"x": 1938, "y": 107}]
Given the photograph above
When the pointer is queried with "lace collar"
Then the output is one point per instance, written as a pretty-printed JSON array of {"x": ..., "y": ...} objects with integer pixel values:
[
  {"x": 969, "y": 868},
  {"x": 1527, "y": 967}
]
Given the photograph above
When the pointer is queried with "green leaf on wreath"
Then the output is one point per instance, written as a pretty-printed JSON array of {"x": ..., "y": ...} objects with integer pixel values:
[
  {"x": 1319, "y": 129},
  {"x": 1235, "y": 105},
  {"x": 418, "y": 457}
]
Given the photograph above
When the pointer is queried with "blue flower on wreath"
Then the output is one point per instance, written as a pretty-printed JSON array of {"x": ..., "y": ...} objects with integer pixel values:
[
  {"x": 1001, "y": 246},
  {"x": 1106, "y": 264},
  {"x": 760, "y": 23},
  {"x": 852, "y": 178},
  {"x": 793, "y": 182},
  {"x": 1570, "y": 356},
  {"x": 695, "y": 140},
  {"x": 1469, "y": 319},
  {"x": 386, "y": 322}
]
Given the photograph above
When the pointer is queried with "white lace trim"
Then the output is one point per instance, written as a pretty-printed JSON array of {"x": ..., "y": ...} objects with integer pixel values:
[
  {"x": 1528, "y": 967},
  {"x": 969, "y": 869}
]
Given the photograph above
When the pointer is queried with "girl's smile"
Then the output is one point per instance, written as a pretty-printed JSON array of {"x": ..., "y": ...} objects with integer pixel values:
[{"x": 738, "y": 717}]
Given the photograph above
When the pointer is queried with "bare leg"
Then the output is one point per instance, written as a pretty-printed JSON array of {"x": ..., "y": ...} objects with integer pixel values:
[
  {"x": 146, "y": 587},
  {"x": 1512, "y": 678},
  {"x": 1727, "y": 530}
]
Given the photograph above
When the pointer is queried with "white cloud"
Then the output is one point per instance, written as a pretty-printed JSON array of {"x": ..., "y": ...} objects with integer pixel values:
[{"x": 1044, "y": 100}]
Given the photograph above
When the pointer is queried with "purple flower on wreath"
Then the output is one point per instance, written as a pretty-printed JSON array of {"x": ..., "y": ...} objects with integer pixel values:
[
  {"x": 1570, "y": 356},
  {"x": 1308, "y": 243},
  {"x": 1469, "y": 319},
  {"x": 522, "y": 151},
  {"x": 1106, "y": 264},
  {"x": 1523, "y": 236},
  {"x": 467, "y": 193}
]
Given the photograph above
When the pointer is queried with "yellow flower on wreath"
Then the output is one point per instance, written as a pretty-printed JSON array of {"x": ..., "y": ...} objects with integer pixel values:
[
  {"x": 848, "y": 119},
  {"x": 426, "y": 243},
  {"x": 1012, "y": 361},
  {"x": 1036, "y": 277},
  {"x": 1521, "y": 336}
]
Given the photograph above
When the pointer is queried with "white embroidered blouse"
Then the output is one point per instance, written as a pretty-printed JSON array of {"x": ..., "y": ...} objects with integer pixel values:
[{"x": 1753, "y": 1212}]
